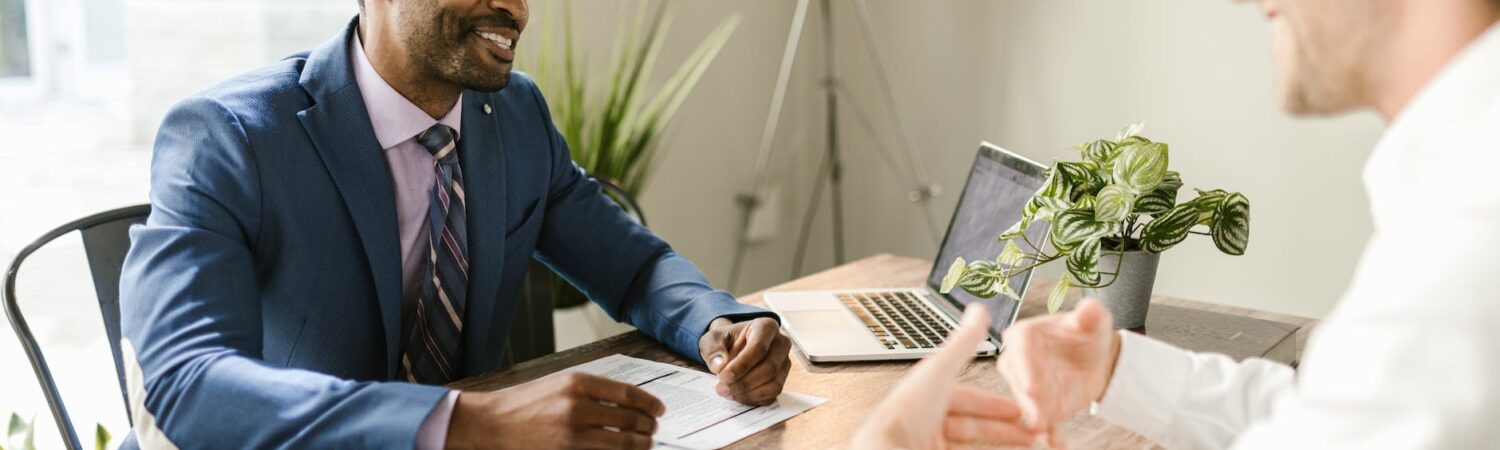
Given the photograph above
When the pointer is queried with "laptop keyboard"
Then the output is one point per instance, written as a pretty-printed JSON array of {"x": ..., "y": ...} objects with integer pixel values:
[{"x": 898, "y": 319}]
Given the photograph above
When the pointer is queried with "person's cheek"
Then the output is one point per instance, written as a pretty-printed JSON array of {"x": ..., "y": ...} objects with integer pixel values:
[{"x": 1283, "y": 55}]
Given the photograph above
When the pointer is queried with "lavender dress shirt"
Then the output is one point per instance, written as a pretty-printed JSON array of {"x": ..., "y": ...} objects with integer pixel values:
[{"x": 397, "y": 123}]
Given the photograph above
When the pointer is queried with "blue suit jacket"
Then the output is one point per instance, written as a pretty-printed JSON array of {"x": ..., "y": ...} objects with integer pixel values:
[{"x": 263, "y": 295}]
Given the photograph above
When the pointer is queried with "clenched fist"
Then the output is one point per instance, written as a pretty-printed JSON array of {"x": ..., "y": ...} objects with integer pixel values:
[{"x": 750, "y": 358}]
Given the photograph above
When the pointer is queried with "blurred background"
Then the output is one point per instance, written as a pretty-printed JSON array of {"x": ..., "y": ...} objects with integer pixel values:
[{"x": 84, "y": 83}]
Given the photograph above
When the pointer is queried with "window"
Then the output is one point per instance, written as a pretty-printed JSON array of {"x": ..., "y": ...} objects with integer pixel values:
[{"x": 15, "y": 57}]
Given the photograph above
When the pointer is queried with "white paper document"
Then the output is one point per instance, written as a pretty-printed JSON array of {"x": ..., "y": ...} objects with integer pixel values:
[{"x": 697, "y": 417}]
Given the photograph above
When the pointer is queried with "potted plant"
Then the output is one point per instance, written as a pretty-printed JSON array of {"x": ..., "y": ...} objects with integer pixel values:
[
  {"x": 1112, "y": 213},
  {"x": 21, "y": 434},
  {"x": 613, "y": 121}
]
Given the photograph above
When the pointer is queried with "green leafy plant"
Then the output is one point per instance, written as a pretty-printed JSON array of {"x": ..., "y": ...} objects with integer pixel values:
[
  {"x": 1118, "y": 197},
  {"x": 614, "y": 124},
  {"x": 21, "y": 434}
]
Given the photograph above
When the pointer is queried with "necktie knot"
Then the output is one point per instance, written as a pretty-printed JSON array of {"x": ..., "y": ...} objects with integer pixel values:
[{"x": 439, "y": 142}]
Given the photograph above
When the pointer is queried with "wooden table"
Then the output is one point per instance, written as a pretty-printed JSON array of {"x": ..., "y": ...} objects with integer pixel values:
[{"x": 853, "y": 389}]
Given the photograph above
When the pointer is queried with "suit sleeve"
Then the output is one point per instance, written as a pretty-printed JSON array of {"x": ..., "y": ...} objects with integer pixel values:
[
  {"x": 622, "y": 266},
  {"x": 189, "y": 305}
]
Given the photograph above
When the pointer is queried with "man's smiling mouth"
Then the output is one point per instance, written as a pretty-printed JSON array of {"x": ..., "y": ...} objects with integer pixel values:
[{"x": 502, "y": 41}]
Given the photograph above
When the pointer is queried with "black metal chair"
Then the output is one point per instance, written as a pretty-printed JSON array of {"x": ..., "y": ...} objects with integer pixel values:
[
  {"x": 532, "y": 330},
  {"x": 105, "y": 240},
  {"x": 622, "y": 198}
]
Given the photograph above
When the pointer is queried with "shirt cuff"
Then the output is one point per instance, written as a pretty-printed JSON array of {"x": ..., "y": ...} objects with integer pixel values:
[
  {"x": 745, "y": 317},
  {"x": 434, "y": 432},
  {"x": 1148, "y": 381}
]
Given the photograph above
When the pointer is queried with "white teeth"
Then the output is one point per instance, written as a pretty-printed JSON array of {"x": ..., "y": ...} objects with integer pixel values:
[{"x": 498, "y": 39}]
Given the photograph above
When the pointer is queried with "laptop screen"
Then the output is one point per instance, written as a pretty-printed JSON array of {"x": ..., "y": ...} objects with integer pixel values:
[{"x": 1000, "y": 183}]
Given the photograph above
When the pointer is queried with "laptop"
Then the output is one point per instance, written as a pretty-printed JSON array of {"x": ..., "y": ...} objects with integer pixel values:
[{"x": 892, "y": 324}]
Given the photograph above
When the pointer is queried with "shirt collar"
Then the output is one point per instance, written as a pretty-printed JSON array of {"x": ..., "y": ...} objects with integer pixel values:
[{"x": 394, "y": 118}]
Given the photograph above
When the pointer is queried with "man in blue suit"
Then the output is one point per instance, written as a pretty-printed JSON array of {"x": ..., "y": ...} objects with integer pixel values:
[{"x": 323, "y": 230}]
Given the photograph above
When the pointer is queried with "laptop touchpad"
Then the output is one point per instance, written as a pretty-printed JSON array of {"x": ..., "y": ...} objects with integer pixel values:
[{"x": 812, "y": 321}]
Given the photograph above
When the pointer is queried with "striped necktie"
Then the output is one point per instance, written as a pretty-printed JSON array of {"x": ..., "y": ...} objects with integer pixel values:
[{"x": 434, "y": 351}]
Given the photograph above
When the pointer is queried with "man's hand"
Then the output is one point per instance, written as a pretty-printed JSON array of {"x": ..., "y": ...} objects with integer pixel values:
[
  {"x": 749, "y": 357},
  {"x": 572, "y": 410},
  {"x": 1056, "y": 365},
  {"x": 929, "y": 410}
]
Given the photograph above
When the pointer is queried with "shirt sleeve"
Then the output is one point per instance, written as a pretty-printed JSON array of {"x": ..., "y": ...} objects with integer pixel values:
[
  {"x": 1182, "y": 399},
  {"x": 1410, "y": 358},
  {"x": 434, "y": 432}
]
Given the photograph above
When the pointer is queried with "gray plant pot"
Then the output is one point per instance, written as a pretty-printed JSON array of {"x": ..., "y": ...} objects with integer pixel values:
[{"x": 1129, "y": 297}]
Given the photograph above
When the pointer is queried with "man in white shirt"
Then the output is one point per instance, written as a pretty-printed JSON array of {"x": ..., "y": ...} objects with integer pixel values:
[{"x": 1410, "y": 357}]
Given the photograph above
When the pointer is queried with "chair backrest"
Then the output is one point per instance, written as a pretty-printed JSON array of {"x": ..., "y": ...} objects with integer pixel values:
[
  {"x": 105, "y": 240},
  {"x": 531, "y": 329},
  {"x": 626, "y": 201}
]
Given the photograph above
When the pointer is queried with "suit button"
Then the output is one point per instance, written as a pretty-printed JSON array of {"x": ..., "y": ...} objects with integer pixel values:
[{"x": 486, "y": 108}]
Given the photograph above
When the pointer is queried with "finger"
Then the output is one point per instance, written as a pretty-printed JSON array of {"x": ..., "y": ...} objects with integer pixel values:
[
  {"x": 758, "y": 338},
  {"x": 1031, "y": 414},
  {"x": 949, "y": 445},
  {"x": 968, "y": 401},
  {"x": 938, "y": 372},
  {"x": 738, "y": 344},
  {"x": 763, "y": 394},
  {"x": 958, "y": 351},
  {"x": 971, "y": 429},
  {"x": 624, "y": 395},
  {"x": 598, "y": 438},
  {"x": 1090, "y": 315},
  {"x": 775, "y": 363},
  {"x": 714, "y": 347},
  {"x": 760, "y": 374},
  {"x": 623, "y": 419},
  {"x": 1018, "y": 373},
  {"x": 1055, "y": 440},
  {"x": 919, "y": 401}
]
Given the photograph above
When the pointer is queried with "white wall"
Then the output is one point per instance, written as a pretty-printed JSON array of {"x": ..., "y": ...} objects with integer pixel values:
[
  {"x": 1035, "y": 77},
  {"x": 711, "y": 145}
]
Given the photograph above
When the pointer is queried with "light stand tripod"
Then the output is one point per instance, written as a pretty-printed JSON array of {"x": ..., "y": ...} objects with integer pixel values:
[{"x": 920, "y": 189}]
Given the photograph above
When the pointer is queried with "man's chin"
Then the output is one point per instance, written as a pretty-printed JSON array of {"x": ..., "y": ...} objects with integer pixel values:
[
  {"x": 1290, "y": 101},
  {"x": 489, "y": 84},
  {"x": 1304, "y": 100},
  {"x": 481, "y": 79}
]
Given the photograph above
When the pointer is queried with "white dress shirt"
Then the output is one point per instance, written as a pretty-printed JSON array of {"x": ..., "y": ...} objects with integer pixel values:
[{"x": 1410, "y": 357}]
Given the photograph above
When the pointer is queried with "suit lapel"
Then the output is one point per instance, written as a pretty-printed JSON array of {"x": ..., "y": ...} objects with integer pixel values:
[
  {"x": 481, "y": 152},
  {"x": 339, "y": 126}
]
